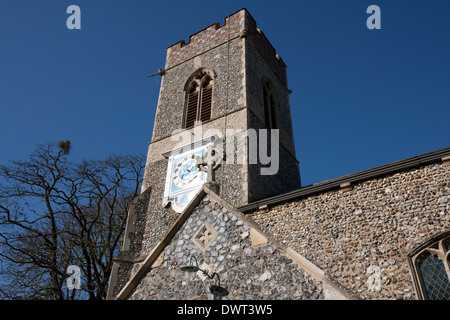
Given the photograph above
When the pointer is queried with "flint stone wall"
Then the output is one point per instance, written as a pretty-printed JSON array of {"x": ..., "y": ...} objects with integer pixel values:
[
  {"x": 247, "y": 272},
  {"x": 378, "y": 223}
]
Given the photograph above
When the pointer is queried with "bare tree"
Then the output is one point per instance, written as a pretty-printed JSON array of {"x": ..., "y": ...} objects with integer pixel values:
[{"x": 54, "y": 214}]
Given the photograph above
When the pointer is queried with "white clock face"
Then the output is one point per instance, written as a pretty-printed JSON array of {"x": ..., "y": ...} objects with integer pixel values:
[
  {"x": 186, "y": 171},
  {"x": 185, "y": 174},
  {"x": 184, "y": 178}
]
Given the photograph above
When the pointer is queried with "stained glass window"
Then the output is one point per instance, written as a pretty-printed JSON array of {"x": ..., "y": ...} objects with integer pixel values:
[
  {"x": 436, "y": 284},
  {"x": 431, "y": 264}
]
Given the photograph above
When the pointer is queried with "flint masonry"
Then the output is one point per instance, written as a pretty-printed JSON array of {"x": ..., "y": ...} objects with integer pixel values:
[{"x": 382, "y": 233}]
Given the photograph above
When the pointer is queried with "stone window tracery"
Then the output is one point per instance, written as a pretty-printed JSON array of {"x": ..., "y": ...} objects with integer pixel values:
[
  {"x": 430, "y": 264},
  {"x": 199, "y": 99}
]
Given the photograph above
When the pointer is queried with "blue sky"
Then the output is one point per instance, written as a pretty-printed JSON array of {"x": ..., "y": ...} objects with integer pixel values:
[{"x": 361, "y": 98}]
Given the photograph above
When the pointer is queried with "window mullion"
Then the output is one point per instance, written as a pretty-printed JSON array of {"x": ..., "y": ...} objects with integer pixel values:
[
  {"x": 445, "y": 256},
  {"x": 200, "y": 94}
]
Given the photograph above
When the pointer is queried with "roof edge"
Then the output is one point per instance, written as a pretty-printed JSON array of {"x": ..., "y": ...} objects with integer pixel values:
[{"x": 375, "y": 172}]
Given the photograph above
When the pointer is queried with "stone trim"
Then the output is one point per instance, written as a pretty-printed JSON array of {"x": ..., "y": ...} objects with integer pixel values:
[
  {"x": 210, "y": 120},
  {"x": 346, "y": 186},
  {"x": 257, "y": 238},
  {"x": 124, "y": 258},
  {"x": 131, "y": 219},
  {"x": 201, "y": 53},
  {"x": 333, "y": 290},
  {"x": 112, "y": 280},
  {"x": 204, "y": 236},
  {"x": 446, "y": 161},
  {"x": 128, "y": 260}
]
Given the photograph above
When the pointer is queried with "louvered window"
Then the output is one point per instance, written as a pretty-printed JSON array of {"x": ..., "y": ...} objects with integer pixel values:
[
  {"x": 205, "y": 104},
  {"x": 199, "y": 100},
  {"x": 191, "y": 109}
]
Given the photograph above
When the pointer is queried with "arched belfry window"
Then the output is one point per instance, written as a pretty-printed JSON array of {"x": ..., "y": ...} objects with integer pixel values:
[
  {"x": 198, "y": 98},
  {"x": 430, "y": 264},
  {"x": 269, "y": 106}
]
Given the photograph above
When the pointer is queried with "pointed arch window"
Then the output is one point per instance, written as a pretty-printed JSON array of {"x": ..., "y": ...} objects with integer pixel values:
[
  {"x": 430, "y": 264},
  {"x": 199, "y": 99},
  {"x": 269, "y": 106}
]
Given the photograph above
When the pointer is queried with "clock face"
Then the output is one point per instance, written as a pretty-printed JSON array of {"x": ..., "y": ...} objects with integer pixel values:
[
  {"x": 186, "y": 171},
  {"x": 184, "y": 178}
]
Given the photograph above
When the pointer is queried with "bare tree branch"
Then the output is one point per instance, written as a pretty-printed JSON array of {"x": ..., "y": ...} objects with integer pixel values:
[{"x": 54, "y": 213}]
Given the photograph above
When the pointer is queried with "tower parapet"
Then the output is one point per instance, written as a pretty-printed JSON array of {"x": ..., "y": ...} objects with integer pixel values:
[
  {"x": 266, "y": 50},
  {"x": 205, "y": 39},
  {"x": 238, "y": 24}
]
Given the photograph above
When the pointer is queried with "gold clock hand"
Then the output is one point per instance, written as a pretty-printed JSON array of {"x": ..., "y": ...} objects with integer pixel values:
[
  {"x": 187, "y": 170},
  {"x": 192, "y": 167}
]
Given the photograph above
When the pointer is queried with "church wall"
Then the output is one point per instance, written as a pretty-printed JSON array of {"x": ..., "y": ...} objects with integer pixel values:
[
  {"x": 377, "y": 223},
  {"x": 246, "y": 271}
]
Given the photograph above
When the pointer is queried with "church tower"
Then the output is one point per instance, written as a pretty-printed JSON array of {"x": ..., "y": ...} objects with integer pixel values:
[{"x": 225, "y": 87}]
